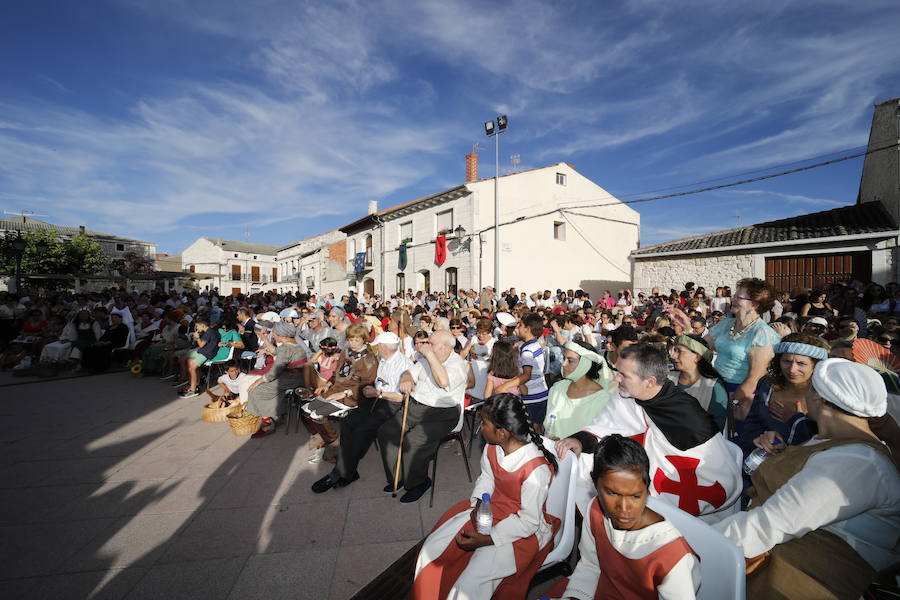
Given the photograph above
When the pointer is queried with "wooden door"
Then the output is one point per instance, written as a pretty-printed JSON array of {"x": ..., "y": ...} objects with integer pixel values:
[
  {"x": 235, "y": 272},
  {"x": 235, "y": 291},
  {"x": 817, "y": 270},
  {"x": 254, "y": 273}
]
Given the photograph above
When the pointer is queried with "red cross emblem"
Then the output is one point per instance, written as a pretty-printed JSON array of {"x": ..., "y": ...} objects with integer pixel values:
[{"x": 686, "y": 488}]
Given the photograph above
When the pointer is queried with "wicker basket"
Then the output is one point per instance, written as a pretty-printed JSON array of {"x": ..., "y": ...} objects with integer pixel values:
[
  {"x": 218, "y": 411},
  {"x": 244, "y": 423}
]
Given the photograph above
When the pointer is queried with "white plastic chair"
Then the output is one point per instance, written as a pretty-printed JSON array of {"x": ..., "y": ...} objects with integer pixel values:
[
  {"x": 722, "y": 565},
  {"x": 210, "y": 364},
  {"x": 561, "y": 504}
]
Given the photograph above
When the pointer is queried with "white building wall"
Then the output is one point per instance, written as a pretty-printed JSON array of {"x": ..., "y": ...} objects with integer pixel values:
[
  {"x": 207, "y": 257},
  {"x": 705, "y": 271},
  {"x": 594, "y": 254}
]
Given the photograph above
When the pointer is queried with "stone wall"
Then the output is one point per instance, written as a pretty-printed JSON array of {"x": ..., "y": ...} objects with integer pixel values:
[{"x": 704, "y": 270}]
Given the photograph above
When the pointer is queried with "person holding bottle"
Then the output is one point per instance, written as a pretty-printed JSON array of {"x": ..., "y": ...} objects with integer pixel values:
[{"x": 456, "y": 560}]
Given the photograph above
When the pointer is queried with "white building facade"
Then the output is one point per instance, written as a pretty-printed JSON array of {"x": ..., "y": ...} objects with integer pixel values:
[
  {"x": 558, "y": 229},
  {"x": 304, "y": 263},
  {"x": 236, "y": 267}
]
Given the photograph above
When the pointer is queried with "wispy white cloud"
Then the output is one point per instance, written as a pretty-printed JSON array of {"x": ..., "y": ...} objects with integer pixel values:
[{"x": 822, "y": 203}]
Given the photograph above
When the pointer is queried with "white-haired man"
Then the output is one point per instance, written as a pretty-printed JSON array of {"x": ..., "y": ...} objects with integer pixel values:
[
  {"x": 437, "y": 384},
  {"x": 360, "y": 426}
]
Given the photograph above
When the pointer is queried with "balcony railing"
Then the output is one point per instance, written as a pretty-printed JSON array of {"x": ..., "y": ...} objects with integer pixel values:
[{"x": 247, "y": 277}]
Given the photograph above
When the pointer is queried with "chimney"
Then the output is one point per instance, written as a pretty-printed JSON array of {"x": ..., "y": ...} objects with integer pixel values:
[
  {"x": 373, "y": 207},
  {"x": 471, "y": 167},
  {"x": 81, "y": 229}
]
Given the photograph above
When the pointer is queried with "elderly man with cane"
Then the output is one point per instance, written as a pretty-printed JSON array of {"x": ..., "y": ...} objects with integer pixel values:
[
  {"x": 360, "y": 426},
  {"x": 436, "y": 387}
]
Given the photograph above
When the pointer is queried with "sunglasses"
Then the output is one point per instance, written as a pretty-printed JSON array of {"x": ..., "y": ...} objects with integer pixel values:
[{"x": 887, "y": 340}]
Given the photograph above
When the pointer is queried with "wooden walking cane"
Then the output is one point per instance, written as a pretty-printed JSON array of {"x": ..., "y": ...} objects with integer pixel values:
[{"x": 400, "y": 448}]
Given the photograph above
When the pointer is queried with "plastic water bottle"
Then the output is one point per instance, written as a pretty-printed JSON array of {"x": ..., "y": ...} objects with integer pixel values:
[
  {"x": 484, "y": 518},
  {"x": 551, "y": 426},
  {"x": 757, "y": 457}
]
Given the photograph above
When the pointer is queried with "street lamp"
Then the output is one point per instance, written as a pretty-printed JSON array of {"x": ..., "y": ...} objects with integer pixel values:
[
  {"x": 494, "y": 129},
  {"x": 460, "y": 232}
]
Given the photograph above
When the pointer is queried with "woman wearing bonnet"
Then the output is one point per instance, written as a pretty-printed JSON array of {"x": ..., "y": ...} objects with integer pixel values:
[
  {"x": 576, "y": 400},
  {"x": 824, "y": 517}
]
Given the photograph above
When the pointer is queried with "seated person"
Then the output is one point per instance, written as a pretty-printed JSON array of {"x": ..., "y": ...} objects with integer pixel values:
[
  {"x": 503, "y": 372},
  {"x": 690, "y": 460},
  {"x": 265, "y": 396},
  {"x": 356, "y": 369},
  {"x": 627, "y": 550},
  {"x": 321, "y": 367},
  {"x": 456, "y": 560},
  {"x": 228, "y": 385},
  {"x": 695, "y": 374},
  {"x": 778, "y": 412},
  {"x": 97, "y": 356},
  {"x": 576, "y": 400},
  {"x": 824, "y": 517},
  {"x": 207, "y": 340}
]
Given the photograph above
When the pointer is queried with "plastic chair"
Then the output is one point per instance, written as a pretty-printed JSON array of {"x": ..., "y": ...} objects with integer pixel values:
[
  {"x": 210, "y": 364},
  {"x": 561, "y": 504},
  {"x": 722, "y": 565},
  {"x": 457, "y": 435}
]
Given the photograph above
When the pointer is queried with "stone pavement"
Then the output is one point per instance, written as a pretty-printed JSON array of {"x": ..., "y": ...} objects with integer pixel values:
[{"x": 114, "y": 488}]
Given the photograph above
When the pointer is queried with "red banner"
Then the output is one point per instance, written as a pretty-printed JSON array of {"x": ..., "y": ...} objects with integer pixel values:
[{"x": 440, "y": 250}]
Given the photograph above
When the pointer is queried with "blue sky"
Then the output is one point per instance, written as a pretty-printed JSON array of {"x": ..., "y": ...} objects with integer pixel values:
[{"x": 166, "y": 120}]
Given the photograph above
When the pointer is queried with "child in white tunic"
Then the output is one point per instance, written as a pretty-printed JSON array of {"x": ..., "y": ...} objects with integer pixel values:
[
  {"x": 628, "y": 550},
  {"x": 458, "y": 562}
]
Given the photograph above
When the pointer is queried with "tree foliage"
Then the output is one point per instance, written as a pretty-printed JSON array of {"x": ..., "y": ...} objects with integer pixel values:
[
  {"x": 132, "y": 263},
  {"x": 47, "y": 252}
]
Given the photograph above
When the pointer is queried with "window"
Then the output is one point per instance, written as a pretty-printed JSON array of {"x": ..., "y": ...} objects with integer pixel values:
[
  {"x": 254, "y": 257},
  {"x": 254, "y": 273},
  {"x": 451, "y": 280},
  {"x": 401, "y": 282},
  {"x": 192, "y": 269},
  {"x": 120, "y": 247},
  {"x": 369, "y": 250},
  {"x": 406, "y": 231},
  {"x": 235, "y": 272},
  {"x": 274, "y": 274},
  {"x": 559, "y": 231},
  {"x": 560, "y": 179},
  {"x": 445, "y": 221},
  {"x": 235, "y": 254}
]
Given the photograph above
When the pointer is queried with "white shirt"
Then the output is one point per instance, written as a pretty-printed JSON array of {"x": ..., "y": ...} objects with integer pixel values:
[
  {"x": 389, "y": 372},
  {"x": 427, "y": 391},
  {"x": 232, "y": 384},
  {"x": 852, "y": 491}
]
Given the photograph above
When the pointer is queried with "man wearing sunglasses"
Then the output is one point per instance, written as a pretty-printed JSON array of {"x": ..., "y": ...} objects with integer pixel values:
[{"x": 316, "y": 330}]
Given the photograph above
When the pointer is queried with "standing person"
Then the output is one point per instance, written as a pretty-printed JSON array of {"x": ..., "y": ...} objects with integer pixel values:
[
  {"x": 690, "y": 461},
  {"x": 824, "y": 518},
  {"x": 459, "y": 562},
  {"x": 743, "y": 342},
  {"x": 628, "y": 550},
  {"x": 379, "y": 403},
  {"x": 720, "y": 303},
  {"x": 436, "y": 384},
  {"x": 531, "y": 362}
]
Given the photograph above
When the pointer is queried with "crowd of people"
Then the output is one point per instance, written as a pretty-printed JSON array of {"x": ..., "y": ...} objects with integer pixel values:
[{"x": 662, "y": 394}]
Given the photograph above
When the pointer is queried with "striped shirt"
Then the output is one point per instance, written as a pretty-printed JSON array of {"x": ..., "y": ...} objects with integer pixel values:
[{"x": 531, "y": 354}]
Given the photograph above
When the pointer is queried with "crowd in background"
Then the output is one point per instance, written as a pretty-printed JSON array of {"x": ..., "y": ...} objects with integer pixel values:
[{"x": 558, "y": 364}]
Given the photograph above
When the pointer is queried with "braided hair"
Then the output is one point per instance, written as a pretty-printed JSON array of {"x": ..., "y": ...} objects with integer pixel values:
[{"x": 506, "y": 411}]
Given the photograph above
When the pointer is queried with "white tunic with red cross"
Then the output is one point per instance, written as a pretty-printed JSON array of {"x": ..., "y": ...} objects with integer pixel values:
[{"x": 704, "y": 481}]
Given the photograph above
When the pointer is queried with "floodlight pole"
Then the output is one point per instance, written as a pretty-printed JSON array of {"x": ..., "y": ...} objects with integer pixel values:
[{"x": 497, "y": 214}]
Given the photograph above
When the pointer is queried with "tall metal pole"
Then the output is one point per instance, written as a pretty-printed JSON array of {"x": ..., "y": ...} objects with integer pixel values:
[{"x": 497, "y": 215}]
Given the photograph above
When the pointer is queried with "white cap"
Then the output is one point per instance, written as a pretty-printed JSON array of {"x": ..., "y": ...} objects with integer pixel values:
[
  {"x": 269, "y": 316},
  {"x": 387, "y": 338},
  {"x": 506, "y": 319},
  {"x": 818, "y": 321},
  {"x": 289, "y": 313},
  {"x": 856, "y": 388}
]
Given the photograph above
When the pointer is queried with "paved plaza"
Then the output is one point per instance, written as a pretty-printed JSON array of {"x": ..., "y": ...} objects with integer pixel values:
[{"x": 114, "y": 488}]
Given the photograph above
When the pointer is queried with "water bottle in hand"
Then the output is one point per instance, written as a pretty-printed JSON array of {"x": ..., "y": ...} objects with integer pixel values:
[
  {"x": 484, "y": 518},
  {"x": 757, "y": 457}
]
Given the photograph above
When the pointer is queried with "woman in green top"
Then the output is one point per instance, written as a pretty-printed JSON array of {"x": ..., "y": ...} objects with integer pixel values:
[
  {"x": 695, "y": 374},
  {"x": 228, "y": 338},
  {"x": 575, "y": 401}
]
